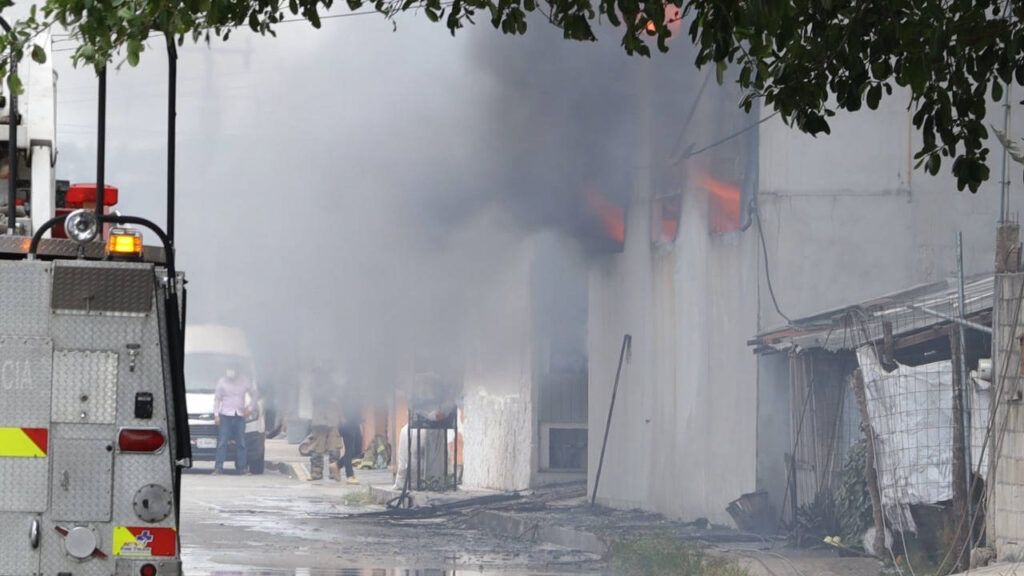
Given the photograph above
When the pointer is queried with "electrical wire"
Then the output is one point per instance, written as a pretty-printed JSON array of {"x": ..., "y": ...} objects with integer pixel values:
[
  {"x": 721, "y": 141},
  {"x": 767, "y": 267},
  {"x": 686, "y": 123}
]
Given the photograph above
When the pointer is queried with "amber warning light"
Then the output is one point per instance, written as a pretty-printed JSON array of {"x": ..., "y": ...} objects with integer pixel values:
[{"x": 124, "y": 242}]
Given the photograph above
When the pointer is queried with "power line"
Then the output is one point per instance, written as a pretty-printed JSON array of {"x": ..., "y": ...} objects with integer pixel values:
[
  {"x": 767, "y": 268},
  {"x": 740, "y": 132}
]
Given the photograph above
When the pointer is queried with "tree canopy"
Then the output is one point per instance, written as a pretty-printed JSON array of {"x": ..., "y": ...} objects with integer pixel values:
[{"x": 806, "y": 59}]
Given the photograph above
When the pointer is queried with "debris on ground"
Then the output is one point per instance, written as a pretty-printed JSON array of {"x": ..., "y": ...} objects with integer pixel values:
[{"x": 753, "y": 512}]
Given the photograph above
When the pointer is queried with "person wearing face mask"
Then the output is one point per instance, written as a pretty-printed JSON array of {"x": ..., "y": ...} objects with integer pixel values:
[{"x": 233, "y": 400}]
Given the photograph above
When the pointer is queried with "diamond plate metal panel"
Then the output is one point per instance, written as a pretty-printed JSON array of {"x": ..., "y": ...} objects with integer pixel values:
[
  {"x": 84, "y": 386},
  {"x": 25, "y": 369},
  {"x": 23, "y": 484},
  {"x": 54, "y": 559},
  {"x": 50, "y": 248},
  {"x": 81, "y": 332},
  {"x": 25, "y": 298},
  {"x": 133, "y": 471},
  {"x": 81, "y": 481},
  {"x": 18, "y": 558},
  {"x": 132, "y": 567},
  {"x": 99, "y": 289}
]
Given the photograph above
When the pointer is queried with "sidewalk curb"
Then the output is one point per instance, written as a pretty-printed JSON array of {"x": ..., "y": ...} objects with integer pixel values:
[
  {"x": 382, "y": 494},
  {"x": 516, "y": 527}
]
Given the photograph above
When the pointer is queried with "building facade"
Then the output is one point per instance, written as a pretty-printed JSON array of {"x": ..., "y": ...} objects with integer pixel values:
[{"x": 784, "y": 224}]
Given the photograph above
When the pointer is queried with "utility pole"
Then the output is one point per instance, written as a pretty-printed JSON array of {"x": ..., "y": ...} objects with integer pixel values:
[{"x": 964, "y": 383}]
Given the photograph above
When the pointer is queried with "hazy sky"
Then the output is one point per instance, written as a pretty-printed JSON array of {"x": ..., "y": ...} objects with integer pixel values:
[{"x": 350, "y": 190}]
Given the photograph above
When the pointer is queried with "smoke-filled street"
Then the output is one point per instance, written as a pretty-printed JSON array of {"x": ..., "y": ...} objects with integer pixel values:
[{"x": 276, "y": 524}]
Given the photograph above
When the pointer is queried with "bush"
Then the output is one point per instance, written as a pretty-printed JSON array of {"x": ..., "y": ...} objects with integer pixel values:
[{"x": 664, "y": 556}]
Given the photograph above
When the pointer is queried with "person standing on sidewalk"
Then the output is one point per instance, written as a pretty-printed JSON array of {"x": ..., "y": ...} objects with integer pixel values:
[
  {"x": 352, "y": 434},
  {"x": 233, "y": 400}
]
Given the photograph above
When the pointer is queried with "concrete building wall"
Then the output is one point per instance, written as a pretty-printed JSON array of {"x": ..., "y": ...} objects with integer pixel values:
[
  {"x": 682, "y": 439},
  {"x": 849, "y": 208},
  {"x": 1005, "y": 514},
  {"x": 498, "y": 384},
  {"x": 509, "y": 361},
  {"x": 845, "y": 218},
  {"x": 775, "y": 428}
]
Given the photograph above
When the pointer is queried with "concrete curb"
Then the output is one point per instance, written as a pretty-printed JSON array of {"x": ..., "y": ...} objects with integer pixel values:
[
  {"x": 382, "y": 494},
  {"x": 516, "y": 527}
]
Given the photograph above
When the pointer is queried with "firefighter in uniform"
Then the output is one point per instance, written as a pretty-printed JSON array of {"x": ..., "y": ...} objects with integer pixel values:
[{"x": 324, "y": 439}]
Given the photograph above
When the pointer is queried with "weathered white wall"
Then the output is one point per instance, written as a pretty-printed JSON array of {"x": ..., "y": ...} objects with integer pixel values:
[
  {"x": 505, "y": 365},
  {"x": 845, "y": 219},
  {"x": 498, "y": 440},
  {"x": 498, "y": 435},
  {"x": 682, "y": 440},
  {"x": 848, "y": 208}
]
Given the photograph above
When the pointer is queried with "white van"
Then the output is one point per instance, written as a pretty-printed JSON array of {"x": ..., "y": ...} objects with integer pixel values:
[{"x": 209, "y": 351}]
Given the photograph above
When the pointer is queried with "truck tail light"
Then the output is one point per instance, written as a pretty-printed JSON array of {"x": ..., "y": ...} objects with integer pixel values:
[
  {"x": 148, "y": 570},
  {"x": 140, "y": 440}
]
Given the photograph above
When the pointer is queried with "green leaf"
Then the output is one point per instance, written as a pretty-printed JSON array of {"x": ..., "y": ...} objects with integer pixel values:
[
  {"x": 134, "y": 49},
  {"x": 874, "y": 96},
  {"x": 14, "y": 84},
  {"x": 815, "y": 124},
  {"x": 38, "y": 54}
]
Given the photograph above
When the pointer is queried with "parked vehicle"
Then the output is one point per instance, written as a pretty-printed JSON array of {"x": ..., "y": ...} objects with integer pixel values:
[
  {"x": 93, "y": 426},
  {"x": 210, "y": 350}
]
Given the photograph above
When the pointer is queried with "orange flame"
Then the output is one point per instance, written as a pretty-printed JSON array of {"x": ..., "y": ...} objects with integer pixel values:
[
  {"x": 725, "y": 203},
  {"x": 612, "y": 216}
]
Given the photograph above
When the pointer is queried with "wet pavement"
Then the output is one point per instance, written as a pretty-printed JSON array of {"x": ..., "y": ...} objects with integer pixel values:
[
  {"x": 361, "y": 572},
  {"x": 277, "y": 525}
]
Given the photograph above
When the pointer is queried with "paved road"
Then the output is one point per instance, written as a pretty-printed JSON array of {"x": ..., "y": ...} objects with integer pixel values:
[{"x": 274, "y": 524}]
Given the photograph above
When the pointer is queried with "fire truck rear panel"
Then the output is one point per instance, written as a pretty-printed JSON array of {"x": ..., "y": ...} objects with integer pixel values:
[{"x": 78, "y": 341}]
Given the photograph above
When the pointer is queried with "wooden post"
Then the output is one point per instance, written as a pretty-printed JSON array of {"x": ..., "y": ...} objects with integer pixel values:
[
  {"x": 888, "y": 359},
  {"x": 870, "y": 472},
  {"x": 1008, "y": 247},
  {"x": 961, "y": 495}
]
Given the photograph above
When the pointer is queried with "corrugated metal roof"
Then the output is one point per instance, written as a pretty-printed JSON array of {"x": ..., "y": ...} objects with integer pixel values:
[{"x": 849, "y": 326}]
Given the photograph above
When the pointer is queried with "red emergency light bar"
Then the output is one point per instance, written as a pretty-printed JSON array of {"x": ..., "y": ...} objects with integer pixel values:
[{"x": 81, "y": 195}]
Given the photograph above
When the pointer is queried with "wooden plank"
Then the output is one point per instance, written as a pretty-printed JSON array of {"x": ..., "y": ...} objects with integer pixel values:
[
  {"x": 960, "y": 484},
  {"x": 870, "y": 472}
]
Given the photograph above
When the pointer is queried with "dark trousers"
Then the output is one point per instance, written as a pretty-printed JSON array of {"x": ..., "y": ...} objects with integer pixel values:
[
  {"x": 231, "y": 428},
  {"x": 353, "y": 443}
]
